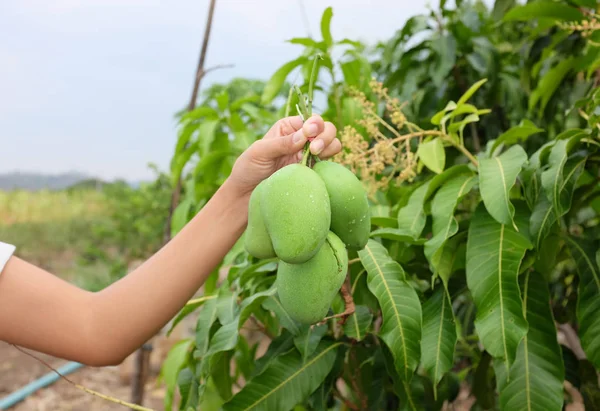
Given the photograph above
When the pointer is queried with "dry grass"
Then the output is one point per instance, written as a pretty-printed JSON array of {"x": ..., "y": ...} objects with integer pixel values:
[{"x": 44, "y": 206}]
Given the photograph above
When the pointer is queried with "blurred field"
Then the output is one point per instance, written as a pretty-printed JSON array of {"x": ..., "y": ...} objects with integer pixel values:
[{"x": 50, "y": 228}]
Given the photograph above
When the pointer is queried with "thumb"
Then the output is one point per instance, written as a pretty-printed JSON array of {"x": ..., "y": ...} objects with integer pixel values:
[{"x": 273, "y": 148}]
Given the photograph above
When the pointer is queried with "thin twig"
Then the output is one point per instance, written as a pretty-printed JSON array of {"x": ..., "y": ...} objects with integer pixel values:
[
  {"x": 409, "y": 136},
  {"x": 82, "y": 388},
  {"x": 200, "y": 299},
  {"x": 175, "y": 195}
]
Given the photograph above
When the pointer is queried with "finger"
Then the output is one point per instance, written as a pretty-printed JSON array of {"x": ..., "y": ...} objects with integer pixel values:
[
  {"x": 331, "y": 150},
  {"x": 285, "y": 126},
  {"x": 324, "y": 139},
  {"x": 275, "y": 147},
  {"x": 313, "y": 126}
]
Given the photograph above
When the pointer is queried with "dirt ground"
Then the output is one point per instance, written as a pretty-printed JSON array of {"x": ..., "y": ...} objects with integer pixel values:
[{"x": 18, "y": 369}]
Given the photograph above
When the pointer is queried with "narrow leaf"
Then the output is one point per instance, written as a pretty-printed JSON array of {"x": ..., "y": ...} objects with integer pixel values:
[
  {"x": 273, "y": 304},
  {"x": 559, "y": 180},
  {"x": 309, "y": 338},
  {"x": 432, "y": 154},
  {"x": 497, "y": 176},
  {"x": 358, "y": 323},
  {"x": 467, "y": 95},
  {"x": 326, "y": 26},
  {"x": 588, "y": 299},
  {"x": 276, "y": 81},
  {"x": 287, "y": 381},
  {"x": 411, "y": 217},
  {"x": 516, "y": 134},
  {"x": 442, "y": 212},
  {"x": 279, "y": 346},
  {"x": 536, "y": 378},
  {"x": 400, "y": 306},
  {"x": 494, "y": 254},
  {"x": 439, "y": 335},
  {"x": 206, "y": 135},
  {"x": 544, "y": 9}
]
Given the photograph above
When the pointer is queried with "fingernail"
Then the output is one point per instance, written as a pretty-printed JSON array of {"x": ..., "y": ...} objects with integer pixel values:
[
  {"x": 312, "y": 130},
  {"x": 298, "y": 137},
  {"x": 317, "y": 146}
]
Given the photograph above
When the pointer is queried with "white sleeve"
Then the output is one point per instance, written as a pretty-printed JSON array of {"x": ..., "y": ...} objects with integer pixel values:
[{"x": 6, "y": 251}]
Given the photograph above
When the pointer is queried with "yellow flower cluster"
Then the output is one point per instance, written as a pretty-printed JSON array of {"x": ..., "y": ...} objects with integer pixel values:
[
  {"x": 586, "y": 27},
  {"x": 376, "y": 158}
]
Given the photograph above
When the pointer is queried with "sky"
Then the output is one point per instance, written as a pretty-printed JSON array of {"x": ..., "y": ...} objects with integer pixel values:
[{"x": 93, "y": 85}]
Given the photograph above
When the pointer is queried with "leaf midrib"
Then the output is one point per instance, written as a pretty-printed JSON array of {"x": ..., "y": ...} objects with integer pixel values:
[
  {"x": 505, "y": 191},
  {"x": 437, "y": 355},
  {"x": 294, "y": 375},
  {"x": 502, "y": 324},
  {"x": 397, "y": 314}
]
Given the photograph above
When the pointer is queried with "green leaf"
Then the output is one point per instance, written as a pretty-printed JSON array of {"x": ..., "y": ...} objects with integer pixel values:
[
  {"x": 276, "y": 81},
  {"x": 532, "y": 173},
  {"x": 358, "y": 323},
  {"x": 286, "y": 382},
  {"x": 433, "y": 155},
  {"x": 220, "y": 370},
  {"x": 411, "y": 217},
  {"x": 273, "y": 304},
  {"x": 326, "y": 26},
  {"x": 494, "y": 254},
  {"x": 550, "y": 82},
  {"x": 206, "y": 318},
  {"x": 557, "y": 184},
  {"x": 180, "y": 215},
  {"x": 439, "y": 335},
  {"x": 226, "y": 305},
  {"x": 516, "y": 134},
  {"x": 206, "y": 135},
  {"x": 437, "y": 118},
  {"x": 537, "y": 375},
  {"x": 304, "y": 41},
  {"x": 497, "y": 176},
  {"x": 442, "y": 211},
  {"x": 187, "y": 310},
  {"x": 188, "y": 387},
  {"x": 467, "y": 95},
  {"x": 400, "y": 306},
  {"x": 588, "y": 298},
  {"x": 179, "y": 162},
  {"x": 544, "y": 9},
  {"x": 309, "y": 338},
  {"x": 542, "y": 221},
  {"x": 175, "y": 361},
  {"x": 226, "y": 337},
  {"x": 278, "y": 347},
  {"x": 451, "y": 257},
  {"x": 395, "y": 235}
]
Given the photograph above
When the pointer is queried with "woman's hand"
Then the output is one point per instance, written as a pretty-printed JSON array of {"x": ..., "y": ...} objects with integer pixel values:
[{"x": 282, "y": 145}]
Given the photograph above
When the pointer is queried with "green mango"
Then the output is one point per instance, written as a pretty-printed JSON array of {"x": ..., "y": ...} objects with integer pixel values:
[
  {"x": 296, "y": 211},
  {"x": 350, "y": 212},
  {"x": 257, "y": 241},
  {"x": 307, "y": 290}
]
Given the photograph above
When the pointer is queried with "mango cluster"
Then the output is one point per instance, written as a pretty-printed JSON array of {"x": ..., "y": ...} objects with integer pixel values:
[{"x": 308, "y": 218}]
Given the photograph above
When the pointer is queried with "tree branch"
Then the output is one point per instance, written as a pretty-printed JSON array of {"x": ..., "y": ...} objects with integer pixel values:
[{"x": 200, "y": 73}]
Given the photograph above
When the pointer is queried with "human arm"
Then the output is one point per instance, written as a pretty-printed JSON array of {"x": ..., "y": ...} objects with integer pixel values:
[{"x": 44, "y": 313}]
